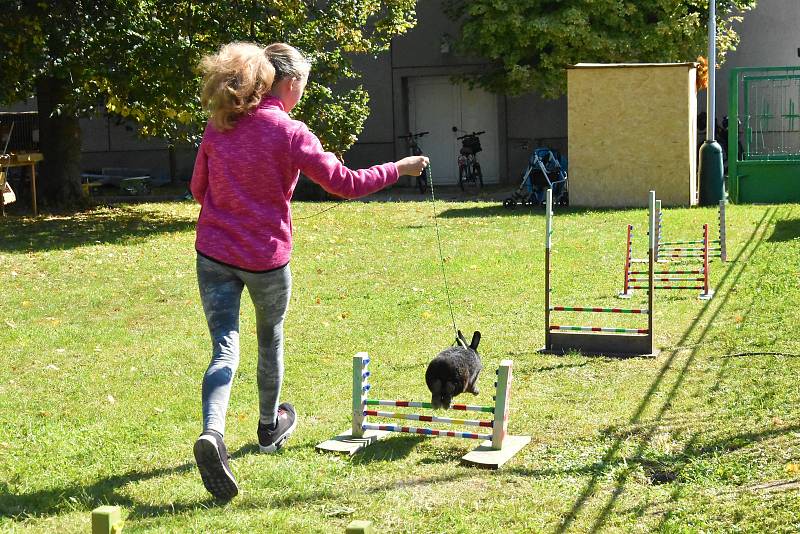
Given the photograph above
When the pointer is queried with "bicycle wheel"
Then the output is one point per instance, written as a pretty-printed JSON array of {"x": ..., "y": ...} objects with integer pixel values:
[
  {"x": 462, "y": 176},
  {"x": 477, "y": 174}
]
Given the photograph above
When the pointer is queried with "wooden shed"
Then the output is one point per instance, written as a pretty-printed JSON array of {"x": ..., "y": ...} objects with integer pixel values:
[{"x": 632, "y": 128}]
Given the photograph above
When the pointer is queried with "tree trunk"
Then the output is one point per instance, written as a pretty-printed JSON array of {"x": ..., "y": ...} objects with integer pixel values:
[{"x": 60, "y": 139}]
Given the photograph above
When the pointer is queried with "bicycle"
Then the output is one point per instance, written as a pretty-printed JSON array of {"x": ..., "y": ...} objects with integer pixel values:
[
  {"x": 415, "y": 150},
  {"x": 469, "y": 169}
]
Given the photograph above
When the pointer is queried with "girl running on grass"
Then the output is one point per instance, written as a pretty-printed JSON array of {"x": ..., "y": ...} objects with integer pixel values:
[{"x": 246, "y": 169}]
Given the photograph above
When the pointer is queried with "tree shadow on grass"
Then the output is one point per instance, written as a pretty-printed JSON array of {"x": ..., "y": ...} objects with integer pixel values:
[
  {"x": 102, "y": 225},
  {"x": 52, "y": 501},
  {"x": 785, "y": 230}
]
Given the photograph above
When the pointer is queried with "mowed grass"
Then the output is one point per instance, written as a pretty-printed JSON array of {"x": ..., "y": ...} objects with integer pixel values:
[{"x": 104, "y": 346}]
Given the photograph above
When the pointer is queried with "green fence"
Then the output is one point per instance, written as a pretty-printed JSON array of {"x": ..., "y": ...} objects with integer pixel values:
[{"x": 767, "y": 167}]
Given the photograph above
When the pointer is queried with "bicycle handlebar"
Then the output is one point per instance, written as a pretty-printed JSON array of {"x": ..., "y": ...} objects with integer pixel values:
[
  {"x": 412, "y": 135},
  {"x": 473, "y": 134}
]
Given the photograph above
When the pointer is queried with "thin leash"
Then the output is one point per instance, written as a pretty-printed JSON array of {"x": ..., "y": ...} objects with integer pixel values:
[
  {"x": 322, "y": 211},
  {"x": 441, "y": 256},
  {"x": 438, "y": 241}
]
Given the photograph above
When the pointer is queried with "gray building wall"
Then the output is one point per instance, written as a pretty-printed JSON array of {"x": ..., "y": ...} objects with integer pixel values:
[
  {"x": 770, "y": 36},
  {"x": 526, "y": 121}
]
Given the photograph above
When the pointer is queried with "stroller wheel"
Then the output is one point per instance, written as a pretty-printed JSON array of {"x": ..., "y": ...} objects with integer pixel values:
[{"x": 510, "y": 203}]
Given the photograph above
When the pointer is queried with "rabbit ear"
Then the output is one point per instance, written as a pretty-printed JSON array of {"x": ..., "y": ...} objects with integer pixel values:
[
  {"x": 476, "y": 338},
  {"x": 460, "y": 339}
]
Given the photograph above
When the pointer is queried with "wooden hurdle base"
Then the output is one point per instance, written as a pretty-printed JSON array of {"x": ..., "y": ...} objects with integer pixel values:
[
  {"x": 488, "y": 458},
  {"x": 706, "y": 296},
  {"x": 600, "y": 344},
  {"x": 482, "y": 456}
]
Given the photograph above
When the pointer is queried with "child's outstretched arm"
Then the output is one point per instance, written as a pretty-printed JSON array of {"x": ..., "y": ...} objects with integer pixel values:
[
  {"x": 326, "y": 170},
  {"x": 199, "y": 182}
]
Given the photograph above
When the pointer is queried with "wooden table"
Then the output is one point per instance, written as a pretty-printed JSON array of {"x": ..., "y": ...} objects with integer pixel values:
[{"x": 29, "y": 159}]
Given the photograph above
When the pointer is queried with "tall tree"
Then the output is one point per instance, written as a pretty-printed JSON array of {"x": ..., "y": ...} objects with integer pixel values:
[
  {"x": 530, "y": 42},
  {"x": 137, "y": 59}
]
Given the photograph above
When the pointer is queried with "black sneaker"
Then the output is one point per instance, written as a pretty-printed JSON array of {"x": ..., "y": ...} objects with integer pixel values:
[
  {"x": 272, "y": 437},
  {"x": 212, "y": 462}
]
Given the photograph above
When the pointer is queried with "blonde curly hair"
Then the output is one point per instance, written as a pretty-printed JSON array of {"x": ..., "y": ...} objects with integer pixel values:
[{"x": 237, "y": 77}]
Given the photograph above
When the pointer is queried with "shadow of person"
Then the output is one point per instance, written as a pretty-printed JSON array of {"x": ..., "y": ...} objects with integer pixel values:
[{"x": 52, "y": 501}]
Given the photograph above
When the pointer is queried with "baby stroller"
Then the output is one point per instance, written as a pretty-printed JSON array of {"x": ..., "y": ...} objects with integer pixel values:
[{"x": 546, "y": 169}]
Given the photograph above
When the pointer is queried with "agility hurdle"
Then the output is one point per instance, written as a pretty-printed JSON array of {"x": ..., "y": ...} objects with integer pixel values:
[
  {"x": 666, "y": 278},
  {"x": 716, "y": 248},
  {"x": 560, "y": 339},
  {"x": 497, "y": 445}
]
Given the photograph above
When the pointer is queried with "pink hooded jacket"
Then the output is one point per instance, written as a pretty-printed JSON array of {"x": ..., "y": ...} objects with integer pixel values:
[{"x": 244, "y": 178}]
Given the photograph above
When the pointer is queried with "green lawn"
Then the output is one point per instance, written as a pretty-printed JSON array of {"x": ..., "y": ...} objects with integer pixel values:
[{"x": 104, "y": 346}]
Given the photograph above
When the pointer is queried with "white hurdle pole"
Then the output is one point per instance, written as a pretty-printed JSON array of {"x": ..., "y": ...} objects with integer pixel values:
[
  {"x": 360, "y": 388},
  {"x": 502, "y": 396},
  {"x": 659, "y": 223},
  {"x": 548, "y": 242}
]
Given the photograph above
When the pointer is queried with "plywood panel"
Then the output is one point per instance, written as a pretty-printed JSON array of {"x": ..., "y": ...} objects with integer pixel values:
[{"x": 632, "y": 128}]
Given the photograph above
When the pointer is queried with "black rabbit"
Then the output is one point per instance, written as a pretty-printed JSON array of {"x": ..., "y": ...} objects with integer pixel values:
[{"x": 454, "y": 371}]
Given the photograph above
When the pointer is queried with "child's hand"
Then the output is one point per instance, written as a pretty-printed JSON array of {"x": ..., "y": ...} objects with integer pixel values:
[{"x": 412, "y": 165}]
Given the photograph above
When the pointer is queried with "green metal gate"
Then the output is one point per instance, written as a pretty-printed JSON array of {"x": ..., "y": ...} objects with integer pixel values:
[{"x": 766, "y": 100}]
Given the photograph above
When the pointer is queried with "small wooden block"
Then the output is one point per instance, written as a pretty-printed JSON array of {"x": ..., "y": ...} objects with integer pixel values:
[
  {"x": 345, "y": 443},
  {"x": 106, "y": 519},
  {"x": 360, "y": 527},
  {"x": 484, "y": 456}
]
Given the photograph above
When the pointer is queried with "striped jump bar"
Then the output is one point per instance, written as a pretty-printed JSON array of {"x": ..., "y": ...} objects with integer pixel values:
[
  {"x": 665, "y": 250},
  {"x": 598, "y": 310},
  {"x": 680, "y": 255},
  {"x": 429, "y": 418},
  {"x": 425, "y": 431},
  {"x": 663, "y": 279},
  {"x": 417, "y": 404},
  {"x": 601, "y": 329},
  {"x": 689, "y": 242},
  {"x": 667, "y": 272},
  {"x": 669, "y": 287}
]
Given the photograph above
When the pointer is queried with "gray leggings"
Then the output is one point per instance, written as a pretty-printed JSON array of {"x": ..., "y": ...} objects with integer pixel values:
[{"x": 221, "y": 291}]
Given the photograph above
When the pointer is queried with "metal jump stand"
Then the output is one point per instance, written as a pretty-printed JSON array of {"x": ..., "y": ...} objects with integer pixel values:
[
  {"x": 597, "y": 339},
  {"x": 668, "y": 252}
]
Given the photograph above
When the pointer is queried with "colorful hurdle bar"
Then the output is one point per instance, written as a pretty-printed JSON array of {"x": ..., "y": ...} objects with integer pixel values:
[
  {"x": 496, "y": 448},
  {"x": 717, "y": 248},
  {"x": 612, "y": 341},
  {"x": 672, "y": 279}
]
